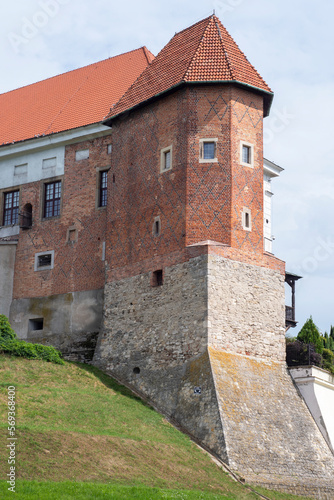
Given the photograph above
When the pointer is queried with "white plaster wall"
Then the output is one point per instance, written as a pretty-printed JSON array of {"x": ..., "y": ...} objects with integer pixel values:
[
  {"x": 31, "y": 167},
  {"x": 317, "y": 388},
  {"x": 7, "y": 262},
  {"x": 267, "y": 214}
]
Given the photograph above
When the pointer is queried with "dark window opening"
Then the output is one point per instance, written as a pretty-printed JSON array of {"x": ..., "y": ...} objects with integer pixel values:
[
  {"x": 52, "y": 199},
  {"x": 167, "y": 160},
  {"x": 103, "y": 185},
  {"x": 246, "y": 154},
  {"x": 136, "y": 370},
  {"x": 156, "y": 229},
  {"x": 26, "y": 216},
  {"x": 247, "y": 221},
  {"x": 157, "y": 278},
  {"x": 11, "y": 208},
  {"x": 36, "y": 324},
  {"x": 44, "y": 260}
]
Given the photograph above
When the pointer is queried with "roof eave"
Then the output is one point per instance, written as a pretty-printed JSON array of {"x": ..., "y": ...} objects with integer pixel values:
[{"x": 268, "y": 96}]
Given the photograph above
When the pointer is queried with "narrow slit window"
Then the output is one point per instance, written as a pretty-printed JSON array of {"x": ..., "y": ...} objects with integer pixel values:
[
  {"x": 103, "y": 188},
  {"x": 156, "y": 227},
  {"x": 166, "y": 159},
  {"x": 246, "y": 220},
  {"x": 246, "y": 154}
]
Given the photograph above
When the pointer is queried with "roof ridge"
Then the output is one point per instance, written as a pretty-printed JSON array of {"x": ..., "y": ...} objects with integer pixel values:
[
  {"x": 199, "y": 43},
  {"x": 72, "y": 70},
  {"x": 224, "y": 49},
  {"x": 241, "y": 51},
  {"x": 192, "y": 26}
]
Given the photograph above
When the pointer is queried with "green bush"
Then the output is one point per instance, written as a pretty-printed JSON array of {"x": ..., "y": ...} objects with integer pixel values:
[
  {"x": 10, "y": 344},
  {"x": 328, "y": 360}
]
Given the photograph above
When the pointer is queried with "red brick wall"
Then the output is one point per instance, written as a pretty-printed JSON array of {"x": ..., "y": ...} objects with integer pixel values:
[
  {"x": 195, "y": 201},
  {"x": 78, "y": 265}
]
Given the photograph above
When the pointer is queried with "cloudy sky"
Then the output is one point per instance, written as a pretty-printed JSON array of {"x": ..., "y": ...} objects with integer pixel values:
[{"x": 289, "y": 42}]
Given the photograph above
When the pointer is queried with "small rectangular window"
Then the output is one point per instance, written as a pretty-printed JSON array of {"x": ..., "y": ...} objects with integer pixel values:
[
  {"x": 52, "y": 196},
  {"x": 246, "y": 154},
  {"x": 11, "y": 208},
  {"x": 166, "y": 159},
  {"x": 44, "y": 261},
  {"x": 36, "y": 324},
  {"x": 208, "y": 150},
  {"x": 103, "y": 188},
  {"x": 109, "y": 149},
  {"x": 157, "y": 278}
]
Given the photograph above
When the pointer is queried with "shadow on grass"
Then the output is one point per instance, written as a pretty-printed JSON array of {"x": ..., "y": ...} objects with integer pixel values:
[{"x": 109, "y": 382}]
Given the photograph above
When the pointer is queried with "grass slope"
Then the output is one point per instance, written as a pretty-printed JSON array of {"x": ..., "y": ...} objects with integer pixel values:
[{"x": 81, "y": 435}]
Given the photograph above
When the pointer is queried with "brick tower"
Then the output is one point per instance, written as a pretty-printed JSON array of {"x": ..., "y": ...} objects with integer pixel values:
[{"x": 194, "y": 307}]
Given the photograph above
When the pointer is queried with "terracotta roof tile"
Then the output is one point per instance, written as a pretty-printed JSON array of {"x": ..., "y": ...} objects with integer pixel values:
[
  {"x": 80, "y": 97},
  {"x": 204, "y": 52}
]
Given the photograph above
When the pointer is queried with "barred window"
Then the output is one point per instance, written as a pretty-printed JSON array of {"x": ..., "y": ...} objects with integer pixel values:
[
  {"x": 103, "y": 188},
  {"x": 11, "y": 208},
  {"x": 52, "y": 199}
]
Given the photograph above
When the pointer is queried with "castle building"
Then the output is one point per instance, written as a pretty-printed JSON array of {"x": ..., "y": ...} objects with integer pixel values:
[{"x": 136, "y": 208}]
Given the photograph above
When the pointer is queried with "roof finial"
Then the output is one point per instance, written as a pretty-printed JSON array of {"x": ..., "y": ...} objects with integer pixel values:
[{"x": 214, "y": 12}]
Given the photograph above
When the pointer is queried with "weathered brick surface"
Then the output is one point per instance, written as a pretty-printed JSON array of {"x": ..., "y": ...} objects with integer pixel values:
[
  {"x": 195, "y": 201},
  {"x": 78, "y": 264}
]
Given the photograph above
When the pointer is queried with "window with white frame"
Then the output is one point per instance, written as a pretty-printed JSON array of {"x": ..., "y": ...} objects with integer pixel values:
[
  {"x": 246, "y": 154},
  {"x": 166, "y": 159},
  {"x": 208, "y": 150},
  {"x": 44, "y": 260}
]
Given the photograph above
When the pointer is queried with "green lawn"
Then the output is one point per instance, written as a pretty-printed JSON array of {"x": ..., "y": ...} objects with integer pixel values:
[{"x": 81, "y": 435}]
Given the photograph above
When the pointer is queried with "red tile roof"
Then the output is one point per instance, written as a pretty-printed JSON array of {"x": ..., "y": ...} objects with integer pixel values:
[
  {"x": 70, "y": 100},
  {"x": 205, "y": 52}
]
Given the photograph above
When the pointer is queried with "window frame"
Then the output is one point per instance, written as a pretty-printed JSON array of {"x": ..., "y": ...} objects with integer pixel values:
[
  {"x": 246, "y": 219},
  {"x": 44, "y": 268},
  {"x": 208, "y": 140},
  {"x": 163, "y": 153},
  {"x": 11, "y": 209},
  {"x": 54, "y": 199},
  {"x": 250, "y": 147},
  {"x": 99, "y": 173}
]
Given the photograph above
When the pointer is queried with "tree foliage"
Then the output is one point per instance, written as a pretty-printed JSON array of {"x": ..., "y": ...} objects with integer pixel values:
[{"x": 309, "y": 334}]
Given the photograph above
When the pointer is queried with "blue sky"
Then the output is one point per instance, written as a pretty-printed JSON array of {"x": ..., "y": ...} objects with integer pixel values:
[{"x": 290, "y": 44}]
